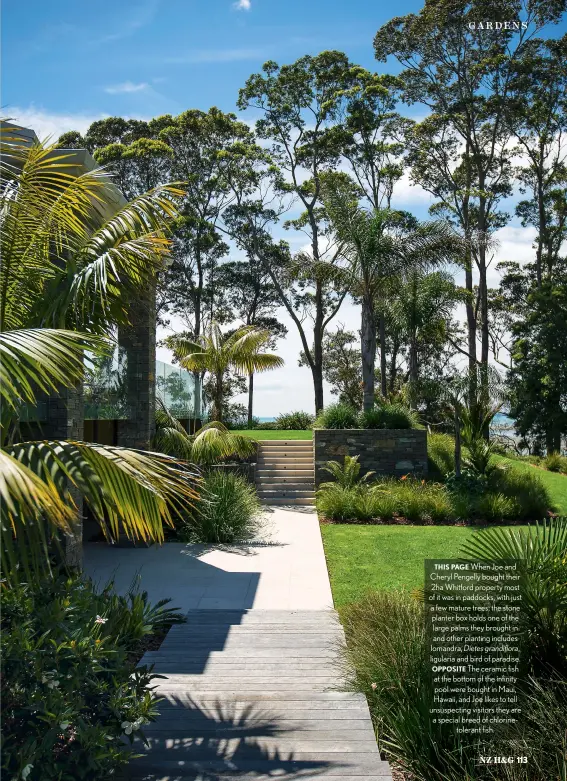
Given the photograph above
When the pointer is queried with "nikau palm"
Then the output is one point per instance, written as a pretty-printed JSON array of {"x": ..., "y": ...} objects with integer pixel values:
[
  {"x": 67, "y": 268},
  {"x": 217, "y": 353},
  {"x": 380, "y": 246}
]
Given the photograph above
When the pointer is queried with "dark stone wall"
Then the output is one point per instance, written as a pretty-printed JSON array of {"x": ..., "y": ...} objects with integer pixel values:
[
  {"x": 138, "y": 340},
  {"x": 64, "y": 419},
  {"x": 384, "y": 451},
  {"x": 246, "y": 470}
]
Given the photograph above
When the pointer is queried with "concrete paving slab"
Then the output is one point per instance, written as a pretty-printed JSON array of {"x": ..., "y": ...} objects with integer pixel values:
[{"x": 283, "y": 570}]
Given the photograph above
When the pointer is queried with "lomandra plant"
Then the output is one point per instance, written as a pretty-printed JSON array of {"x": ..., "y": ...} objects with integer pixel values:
[
  {"x": 386, "y": 660},
  {"x": 337, "y": 415},
  {"x": 294, "y": 421},
  {"x": 228, "y": 511}
]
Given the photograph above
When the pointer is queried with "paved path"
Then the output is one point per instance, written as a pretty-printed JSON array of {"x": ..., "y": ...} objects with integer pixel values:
[
  {"x": 288, "y": 572},
  {"x": 251, "y": 688}
]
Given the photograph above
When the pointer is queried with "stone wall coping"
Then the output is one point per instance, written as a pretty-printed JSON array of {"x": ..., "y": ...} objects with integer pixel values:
[{"x": 369, "y": 429}]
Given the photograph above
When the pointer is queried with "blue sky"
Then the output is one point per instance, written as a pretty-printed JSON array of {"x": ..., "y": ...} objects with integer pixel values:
[
  {"x": 69, "y": 63},
  {"x": 145, "y": 57}
]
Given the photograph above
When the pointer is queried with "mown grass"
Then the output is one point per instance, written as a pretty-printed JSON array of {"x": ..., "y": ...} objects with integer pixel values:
[
  {"x": 360, "y": 558},
  {"x": 260, "y": 435}
]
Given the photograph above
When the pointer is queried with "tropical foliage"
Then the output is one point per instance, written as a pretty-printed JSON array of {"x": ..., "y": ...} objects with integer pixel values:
[
  {"x": 216, "y": 353},
  {"x": 72, "y": 697},
  {"x": 211, "y": 444},
  {"x": 386, "y": 659},
  {"x": 71, "y": 255}
]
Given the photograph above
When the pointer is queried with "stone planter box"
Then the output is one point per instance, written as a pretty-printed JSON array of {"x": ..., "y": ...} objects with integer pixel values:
[
  {"x": 384, "y": 451},
  {"x": 246, "y": 470}
]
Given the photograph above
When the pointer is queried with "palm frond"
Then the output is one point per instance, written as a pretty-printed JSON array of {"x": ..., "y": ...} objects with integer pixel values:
[
  {"x": 43, "y": 359},
  {"x": 214, "y": 442},
  {"x": 31, "y": 510},
  {"x": 129, "y": 490}
]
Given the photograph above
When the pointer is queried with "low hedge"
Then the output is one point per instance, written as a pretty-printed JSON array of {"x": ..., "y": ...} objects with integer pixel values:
[{"x": 384, "y": 415}]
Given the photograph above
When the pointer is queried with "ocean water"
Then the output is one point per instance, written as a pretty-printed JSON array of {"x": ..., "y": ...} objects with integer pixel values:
[{"x": 503, "y": 420}]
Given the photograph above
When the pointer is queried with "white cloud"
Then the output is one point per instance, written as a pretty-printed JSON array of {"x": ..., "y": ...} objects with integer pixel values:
[
  {"x": 48, "y": 124},
  {"x": 126, "y": 86},
  {"x": 243, "y": 5},
  {"x": 408, "y": 193}
]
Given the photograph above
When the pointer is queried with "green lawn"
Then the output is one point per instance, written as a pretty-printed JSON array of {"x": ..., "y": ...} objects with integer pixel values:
[
  {"x": 555, "y": 483},
  {"x": 253, "y": 434},
  {"x": 360, "y": 558}
]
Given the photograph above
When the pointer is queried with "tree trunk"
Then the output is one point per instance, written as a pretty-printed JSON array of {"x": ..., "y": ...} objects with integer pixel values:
[
  {"x": 383, "y": 366},
  {"x": 393, "y": 367},
  {"x": 553, "y": 439},
  {"x": 483, "y": 293},
  {"x": 413, "y": 373},
  {"x": 457, "y": 444},
  {"x": 198, "y": 391},
  {"x": 216, "y": 413},
  {"x": 469, "y": 286},
  {"x": 317, "y": 373},
  {"x": 368, "y": 352},
  {"x": 318, "y": 348},
  {"x": 250, "y": 399}
]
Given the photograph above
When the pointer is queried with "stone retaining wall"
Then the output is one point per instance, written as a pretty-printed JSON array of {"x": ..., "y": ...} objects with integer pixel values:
[{"x": 384, "y": 451}]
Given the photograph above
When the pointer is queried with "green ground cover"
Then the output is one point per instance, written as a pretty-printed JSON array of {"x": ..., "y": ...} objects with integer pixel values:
[
  {"x": 555, "y": 483},
  {"x": 360, "y": 558},
  {"x": 259, "y": 434}
]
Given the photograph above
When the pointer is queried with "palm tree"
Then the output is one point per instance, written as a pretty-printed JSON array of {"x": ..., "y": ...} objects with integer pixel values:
[
  {"x": 66, "y": 266},
  {"x": 380, "y": 245},
  {"x": 420, "y": 310},
  {"x": 217, "y": 353},
  {"x": 211, "y": 444}
]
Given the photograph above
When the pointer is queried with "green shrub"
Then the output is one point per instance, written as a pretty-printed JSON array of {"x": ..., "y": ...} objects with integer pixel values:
[
  {"x": 420, "y": 501},
  {"x": 372, "y": 418},
  {"x": 497, "y": 508},
  {"x": 526, "y": 489},
  {"x": 337, "y": 415},
  {"x": 386, "y": 660},
  {"x": 554, "y": 462},
  {"x": 70, "y": 688},
  {"x": 295, "y": 421},
  {"x": 229, "y": 511},
  {"x": 441, "y": 455},
  {"x": 542, "y": 554},
  {"x": 541, "y": 732},
  {"x": 338, "y": 503},
  {"x": 388, "y": 415},
  {"x": 385, "y": 500}
]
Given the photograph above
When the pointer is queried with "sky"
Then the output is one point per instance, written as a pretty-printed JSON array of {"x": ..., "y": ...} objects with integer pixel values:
[{"x": 67, "y": 64}]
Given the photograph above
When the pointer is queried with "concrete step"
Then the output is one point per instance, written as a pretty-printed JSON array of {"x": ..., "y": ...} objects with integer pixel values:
[
  {"x": 286, "y": 501},
  {"x": 292, "y": 484},
  {"x": 285, "y": 475},
  {"x": 281, "y": 460},
  {"x": 287, "y": 480},
  {"x": 299, "y": 451},
  {"x": 285, "y": 471},
  {"x": 290, "y": 443}
]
